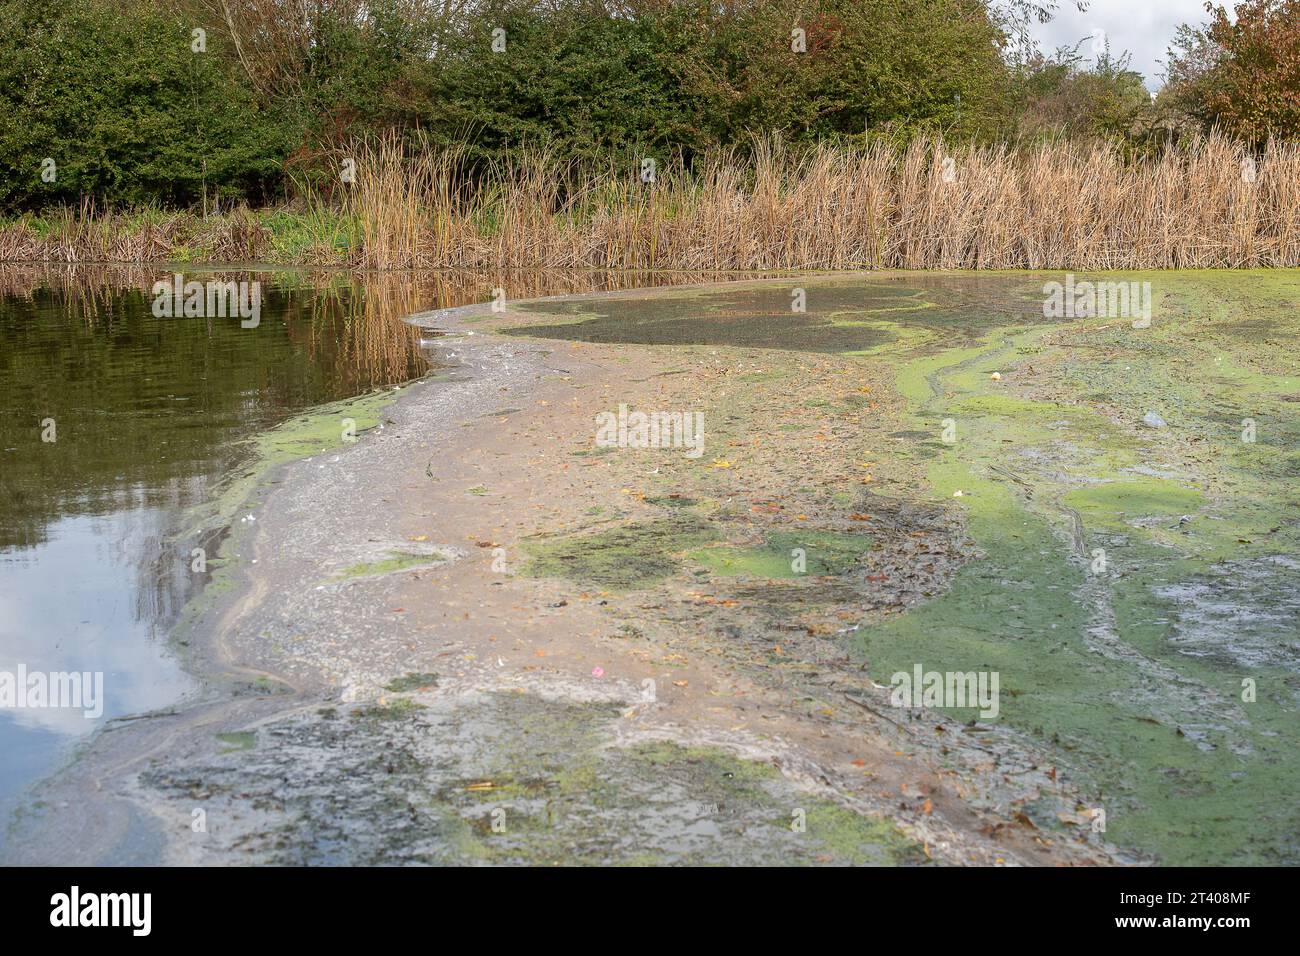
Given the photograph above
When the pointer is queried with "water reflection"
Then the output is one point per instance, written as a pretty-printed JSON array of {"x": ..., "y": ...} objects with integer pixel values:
[{"x": 117, "y": 421}]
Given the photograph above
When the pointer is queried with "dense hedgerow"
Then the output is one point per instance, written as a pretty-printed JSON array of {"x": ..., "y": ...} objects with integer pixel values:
[
  {"x": 125, "y": 111},
  {"x": 114, "y": 92},
  {"x": 201, "y": 103}
]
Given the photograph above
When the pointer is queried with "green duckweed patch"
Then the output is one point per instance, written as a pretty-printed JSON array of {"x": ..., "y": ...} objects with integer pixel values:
[
  {"x": 410, "y": 682},
  {"x": 787, "y": 554},
  {"x": 622, "y": 558}
]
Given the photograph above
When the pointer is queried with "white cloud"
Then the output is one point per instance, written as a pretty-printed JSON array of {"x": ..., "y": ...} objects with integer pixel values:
[{"x": 1143, "y": 28}]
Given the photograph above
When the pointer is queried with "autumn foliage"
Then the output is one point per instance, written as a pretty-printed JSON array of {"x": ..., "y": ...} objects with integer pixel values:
[{"x": 1242, "y": 71}]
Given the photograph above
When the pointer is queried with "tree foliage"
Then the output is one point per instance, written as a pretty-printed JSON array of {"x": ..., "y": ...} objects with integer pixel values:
[
  {"x": 116, "y": 99},
  {"x": 1241, "y": 72},
  {"x": 1061, "y": 93},
  {"x": 114, "y": 93}
]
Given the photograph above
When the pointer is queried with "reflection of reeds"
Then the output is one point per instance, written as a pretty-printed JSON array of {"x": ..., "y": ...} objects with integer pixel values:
[
  {"x": 85, "y": 291},
  {"x": 930, "y": 205},
  {"x": 361, "y": 322},
  {"x": 357, "y": 320}
]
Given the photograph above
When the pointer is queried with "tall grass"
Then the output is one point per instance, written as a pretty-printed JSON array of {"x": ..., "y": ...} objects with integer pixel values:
[
  {"x": 89, "y": 234},
  {"x": 929, "y": 205}
]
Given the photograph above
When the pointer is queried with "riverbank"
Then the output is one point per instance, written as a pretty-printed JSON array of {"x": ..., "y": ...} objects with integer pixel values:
[
  {"x": 483, "y": 634},
  {"x": 1127, "y": 477},
  {"x": 381, "y": 690}
]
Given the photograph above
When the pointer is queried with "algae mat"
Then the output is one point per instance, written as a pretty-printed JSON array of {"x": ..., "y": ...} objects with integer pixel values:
[
  {"x": 1129, "y": 480},
  {"x": 508, "y": 778}
]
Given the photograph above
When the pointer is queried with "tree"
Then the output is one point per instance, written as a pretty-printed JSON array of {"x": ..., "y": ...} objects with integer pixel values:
[
  {"x": 1106, "y": 99},
  {"x": 116, "y": 98},
  {"x": 1242, "y": 74}
]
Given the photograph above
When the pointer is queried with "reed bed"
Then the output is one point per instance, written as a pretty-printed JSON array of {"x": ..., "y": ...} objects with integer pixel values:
[
  {"x": 87, "y": 234},
  {"x": 1061, "y": 204}
]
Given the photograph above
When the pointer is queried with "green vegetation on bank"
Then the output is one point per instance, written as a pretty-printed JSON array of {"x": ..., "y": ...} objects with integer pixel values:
[{"x": 187, "y": 103}]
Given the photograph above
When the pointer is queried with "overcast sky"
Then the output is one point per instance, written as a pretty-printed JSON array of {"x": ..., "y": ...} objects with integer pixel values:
[{"x": 1142, "y": 27}]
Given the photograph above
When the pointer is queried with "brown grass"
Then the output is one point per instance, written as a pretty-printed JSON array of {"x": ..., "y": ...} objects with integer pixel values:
[
  {"x": 1056, "y": 205},
  {"x": 87, "y": 234}
]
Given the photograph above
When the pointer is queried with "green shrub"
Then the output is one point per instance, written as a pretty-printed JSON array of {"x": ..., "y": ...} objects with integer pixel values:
[{"x": 128, "y": 112}]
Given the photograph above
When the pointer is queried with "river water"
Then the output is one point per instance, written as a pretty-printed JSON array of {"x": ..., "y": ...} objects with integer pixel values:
[{"x": 115, "y": 423}]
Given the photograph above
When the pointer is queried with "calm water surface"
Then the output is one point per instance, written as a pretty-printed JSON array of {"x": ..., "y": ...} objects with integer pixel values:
[
  {"x": 149, "y": 415},
  {"x": 145, "y": 415}
]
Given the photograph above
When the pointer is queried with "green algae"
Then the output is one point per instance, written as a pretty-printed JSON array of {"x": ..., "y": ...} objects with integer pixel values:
[
  {"x": 403, "y": 708},
  {"x": 787, "y": 554},
  {"x": 622, "y": 558},
  {"x": 1124, "y": 577},
  {"x": 242, "y": 740},
  {"x": 517, "y": 779},
  {"x": 560, "y": 792},
  {"x": 1115, "y": 505},
  {"x": 852, "y": 839},
  {"x": 395, "y": 561},
  {"x": 1093, "y": 657},
  {"x": 410, "y": 682}
]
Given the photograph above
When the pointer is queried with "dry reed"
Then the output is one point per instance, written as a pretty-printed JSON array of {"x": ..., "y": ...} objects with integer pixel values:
[{"x": 930, "y": 205}]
